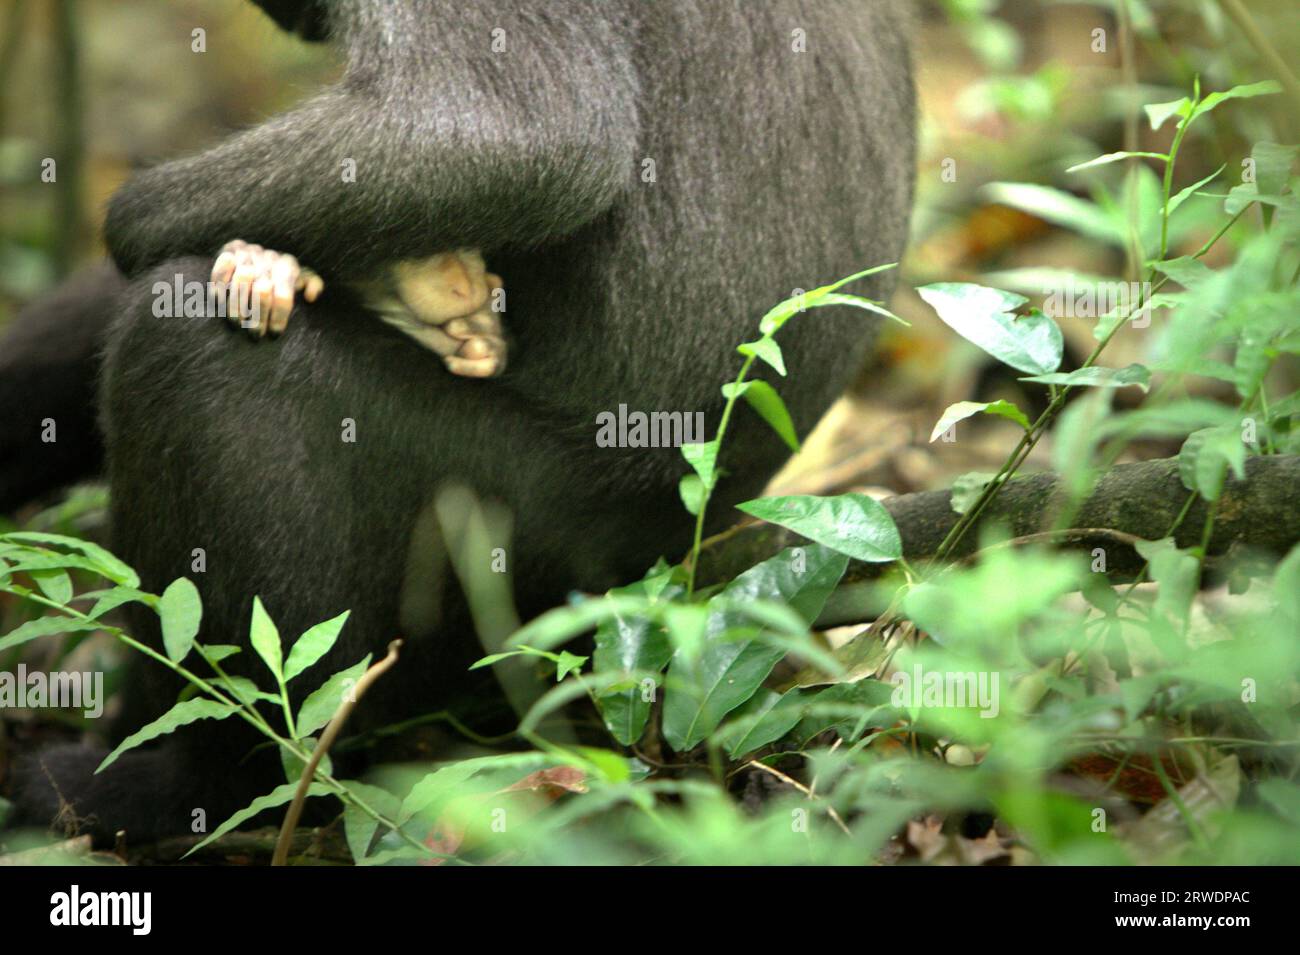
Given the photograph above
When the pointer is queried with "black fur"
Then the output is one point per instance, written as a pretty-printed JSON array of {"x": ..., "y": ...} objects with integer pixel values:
[
  {"x": 776, "y": 170},
  {"x": 307, "y": 18},
  {"x": 48, "y": 368}
]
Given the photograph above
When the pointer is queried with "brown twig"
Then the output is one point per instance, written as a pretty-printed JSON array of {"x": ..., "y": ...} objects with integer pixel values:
[
  {"x": 326, "y": 741},
  {"x": 789, "y": 781}
]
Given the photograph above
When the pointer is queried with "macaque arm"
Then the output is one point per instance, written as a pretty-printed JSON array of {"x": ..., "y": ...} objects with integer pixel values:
[{"x": 450, "y": 143}]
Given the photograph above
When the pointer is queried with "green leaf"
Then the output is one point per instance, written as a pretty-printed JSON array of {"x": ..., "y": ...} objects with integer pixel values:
[
  {"x": 848, "y": 708},
  {"x": 1074, "y": 444},
  {"x": 182, "y": 714},
  {"x": 966, "y": 409},
  {"x": 1272, "y": 175},
  {"x": 707, "y": 684},
  {"x": 359, "y": 827},
  {"x": 778, "y": 315},
  {"x": 101, "y": 560},
  {"x": 765, "y": 400},
  {"x": 277, "y": 797},
  {"x": 116, "y": 598},
  {"x": 703, "y": 457},
  {"x": 433, "y": 791},
  {"x": 866, "y": 304},
  {"x": 766, "y": 350},
  {"x": 320, "y": 706},
  {"x": 31, "y": 560},
  {"x": 565, "y": 662},
  {"x": 1176, "y": 573},
  {"x": 1161, "y": 113},
  {"x": 44, "y": 626},
  {"x": 852, "y": 524},
  {"x": 687, "y": 626},
  {"x": 564, "y": 623},
  {"x": 1286, "y": 585},
  {"x": 568, "y": 663},
  {"x": 763, "y": 719},
  {"x": 266, "y": 639},
  {"x": 1253, "y": 359},
  {"x": 1041, "y": 280},
  {"x": 773, "y": 321},
  {"x": 1186, "y": 271},
  {"x": 606, "y": 764},
  {"x": 1116, "y": 157},
  {"x": 699, "y": 696},
  {"x": 243, "y": 689},
  {"x": 293, "y": 766},
  {"x": 691, "y": 489},
  {"x": 313, "y": 645},
  {"x": 633, "y": 643},
  {"x": 1205, "y": 458},
  {"x": 180, "y": 609},
  {"x": 1266, "y": 88},
  {"x": 800, "y": 578},
  {"x": 1284, "y": 797},
  {"x": 1184, "y": 194},
  {"x": 1139, "y": 376},
  {"x": 1273, "y": 164},
  {"x": 1177, "y": 418},
  {"x": 492, "y": 659},
  {"x": 986, "y": 317},
  {"x": 966, "y": 490},
  {"x": 1059, "y": 208},
  {"x": 216, "y": 652},
  {"x": 1137, "y": 213},
  {"x": 55, "y": 584},
  {"x": 772, "y": 615}
]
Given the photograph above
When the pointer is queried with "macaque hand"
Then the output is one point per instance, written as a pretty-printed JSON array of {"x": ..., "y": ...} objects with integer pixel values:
[{"x": 260, "y": 285}]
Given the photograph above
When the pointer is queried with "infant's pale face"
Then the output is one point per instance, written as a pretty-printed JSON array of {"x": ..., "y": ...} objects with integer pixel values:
[{"x": 442, "y": 287}]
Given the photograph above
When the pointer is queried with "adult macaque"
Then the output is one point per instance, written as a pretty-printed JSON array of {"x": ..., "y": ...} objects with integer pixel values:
[{"x": 649, "y": 177}]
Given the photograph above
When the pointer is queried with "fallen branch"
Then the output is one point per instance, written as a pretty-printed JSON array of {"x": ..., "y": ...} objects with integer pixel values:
[{"x": 1131, "y": 501}]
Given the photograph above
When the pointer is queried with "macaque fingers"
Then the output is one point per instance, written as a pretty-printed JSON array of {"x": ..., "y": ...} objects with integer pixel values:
[
  {"x": 260, "y": 285},
  {"x": 480, "y": 354},
  {"x": 488, "y": 367},
  {"x": 310, "y": 284}
]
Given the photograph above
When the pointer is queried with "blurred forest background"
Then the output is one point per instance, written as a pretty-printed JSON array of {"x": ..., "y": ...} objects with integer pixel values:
[{"x": 1010, "y": 92}]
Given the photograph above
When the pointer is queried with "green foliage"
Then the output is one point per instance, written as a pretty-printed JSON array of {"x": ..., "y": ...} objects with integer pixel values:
[{"x": 991, "y": 319}]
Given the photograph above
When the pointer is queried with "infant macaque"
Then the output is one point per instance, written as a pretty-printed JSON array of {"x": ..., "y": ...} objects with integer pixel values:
[{"x": 444, "y": 302}]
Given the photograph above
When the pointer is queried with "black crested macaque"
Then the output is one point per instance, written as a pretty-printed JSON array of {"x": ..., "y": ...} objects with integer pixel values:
[{"x": 647, "y": 177}]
